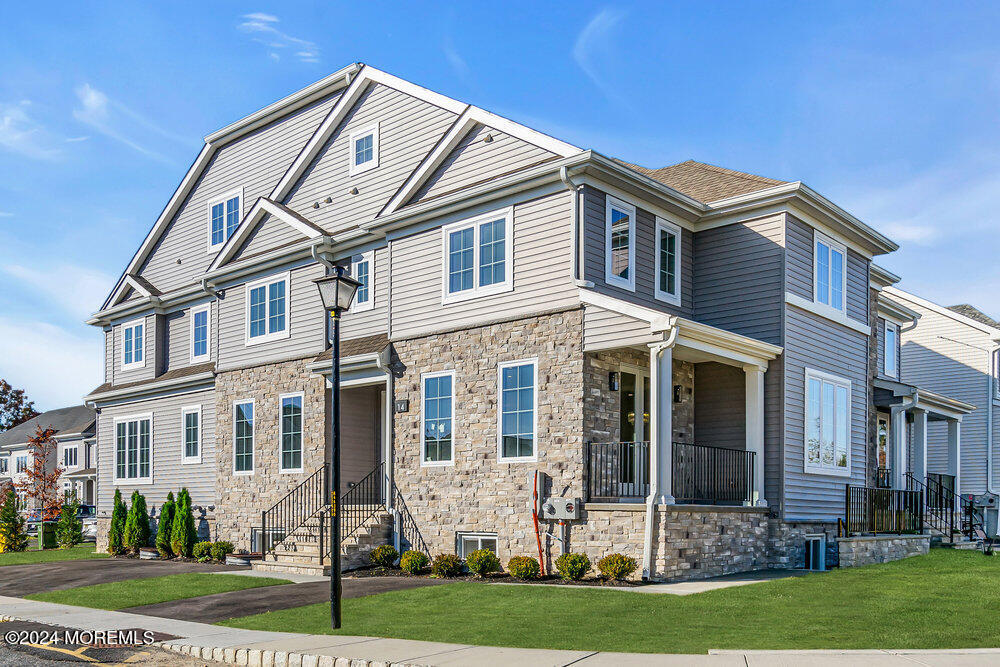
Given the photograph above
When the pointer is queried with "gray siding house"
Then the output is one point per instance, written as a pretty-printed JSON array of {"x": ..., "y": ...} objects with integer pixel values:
[{"x": 679, "y": 356}]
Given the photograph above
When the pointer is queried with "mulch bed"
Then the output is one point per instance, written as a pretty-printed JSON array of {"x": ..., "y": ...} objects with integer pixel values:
[{"x": 496, "y": 578}]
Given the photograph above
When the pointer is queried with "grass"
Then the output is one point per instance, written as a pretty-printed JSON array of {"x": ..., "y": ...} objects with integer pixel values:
[
  {"x": 137, "y": 592},
  {"x": 78, "y": 552},
  {"x": 942, "y": 600}
]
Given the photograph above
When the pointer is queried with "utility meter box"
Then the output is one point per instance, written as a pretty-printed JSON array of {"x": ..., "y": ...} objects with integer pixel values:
[{"x": 561, "y": 508}]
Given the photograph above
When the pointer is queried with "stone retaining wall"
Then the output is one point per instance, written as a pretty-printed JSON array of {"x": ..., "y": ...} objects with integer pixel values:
[{"x": 865, "y": 550}]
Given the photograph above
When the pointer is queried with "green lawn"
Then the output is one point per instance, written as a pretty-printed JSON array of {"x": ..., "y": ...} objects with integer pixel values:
[
  {"x": 50, "y": 555},
  {"x": 136, "y": 592},
  {"x": 942, "y": 600}
]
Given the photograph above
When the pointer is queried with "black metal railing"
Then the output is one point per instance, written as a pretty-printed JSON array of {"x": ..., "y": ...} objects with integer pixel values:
[
  {"x": 940, "y": 504},
  {"x": 360, "y": 502},
  {"x": 291, "y": 512},
  {"x": 617, "y": 470},
  {"x": 712, "y": 475},
  {"x": 872, "y": 511},
  {"x": 883, "y": 478}
]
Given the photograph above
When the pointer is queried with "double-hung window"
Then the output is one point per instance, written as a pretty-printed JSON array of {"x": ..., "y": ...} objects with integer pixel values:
[
  {"x": 70, "y": 456},
  {"x": 478, "y": 256},
  {"x": 243, "y": 437},
  {"x": 21, "y": 464},
  {"x": 363, "y": 152},
  {"x": 363, "y": 270},
  {"x": 828, "y": 424},
  {"x": 133, "y": 340},
  {"x": 619, "y": 242},
  {"x": 4, "y": 465},
  {"x": 267, "y": 309},
  {"x": 191, "y": 433},
  {"x": 830, "y": 270},
  {"x": 518, "y": 408},
  {"x": 133, "y": 449},
  {"x": 199, "y": 333},
  {"x": 224, "y": 215},
  {"x": 668, "y": 262},
  {"x": 291, "y": 433},
  {"x": 437, "y": 437},
  {"x": 891, "y": 350}
]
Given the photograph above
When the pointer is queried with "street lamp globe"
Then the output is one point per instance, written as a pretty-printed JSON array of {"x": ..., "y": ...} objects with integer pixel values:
[{"x": 337, "y": 290}]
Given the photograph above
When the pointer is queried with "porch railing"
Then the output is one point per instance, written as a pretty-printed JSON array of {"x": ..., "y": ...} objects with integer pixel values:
[
  {"x": 360, "y": 502},
  {"x": 294, "y": 509},
  {"x": 872, "y": 511},
  {"x": 701, "y": 474},
  {"x": 946, "y": 511}
]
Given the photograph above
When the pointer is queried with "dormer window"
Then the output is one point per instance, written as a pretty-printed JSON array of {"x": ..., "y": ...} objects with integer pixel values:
[
  {"x": 363, "y": 150},
  {"x": 830, "y": 270},
  {"x": 133, "y": 339},
  {"x": 224, "y": 215}
]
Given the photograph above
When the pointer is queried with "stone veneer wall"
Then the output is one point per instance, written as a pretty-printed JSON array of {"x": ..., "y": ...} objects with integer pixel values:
[
  {"x": 241, "y": 498},
  {"x": 865, "y": 550}
]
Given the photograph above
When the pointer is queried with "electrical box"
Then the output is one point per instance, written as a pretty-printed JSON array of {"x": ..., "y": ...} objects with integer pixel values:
[{"x": 561, "y": 508}]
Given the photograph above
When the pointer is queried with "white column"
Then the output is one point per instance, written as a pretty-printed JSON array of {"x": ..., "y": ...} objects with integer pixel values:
[
  {"x": 387, "y": 428},
  {"x": 755, "y": 429},
  {"x": 955, "y": 451},
  {"x": 898, "y": 435},
  {"x": 920, "y": 445},
  {"x": 661, "y": 447}
]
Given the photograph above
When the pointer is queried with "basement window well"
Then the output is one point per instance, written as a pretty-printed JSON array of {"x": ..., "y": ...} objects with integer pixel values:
[
  {"x": 815, "y": 552},
  {"x": 466, "y": 543}
]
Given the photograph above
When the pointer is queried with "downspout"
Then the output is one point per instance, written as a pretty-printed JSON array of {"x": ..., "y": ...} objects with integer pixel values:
[
  {"x": 314, "y": 251},
  {"x": 208, "y": 289},
  {"x": 576, "y": 265},
  {"x": 991, "y": 392},
  {"x": 654, "y": 473}
]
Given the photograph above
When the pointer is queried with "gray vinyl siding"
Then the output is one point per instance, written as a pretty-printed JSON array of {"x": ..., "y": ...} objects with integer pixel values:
[
  {"x": 738, "y": 278},
  {"x": 149, "y": 337},
  {"x": 799, "y": 273},
  {"x": 304, "y": 318},
  {"x": 269, "y": 234},
  {"x": 254, "y": 162},
  {"x": 595, "y": 216},
  {"x": 880, "y": 347},
  {"x": 816, "y": 343},
  {"x": 474, "y": 160},
  {"x": 542, "y": 256},
  {"x": 376, "y": 320},
  {"x": 109, "y": 354},
  {"x": 408, "y": 130},
  {"x": 719, "y": 406},
  {"x": 606, "y": 329},
  {"x": 178, "y": 326},
  {"x": 857, "y": 287},
  {"x": 167, "y": 471}
]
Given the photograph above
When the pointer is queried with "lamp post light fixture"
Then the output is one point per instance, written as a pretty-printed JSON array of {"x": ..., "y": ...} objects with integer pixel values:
[{"x": 337, "y": 292}]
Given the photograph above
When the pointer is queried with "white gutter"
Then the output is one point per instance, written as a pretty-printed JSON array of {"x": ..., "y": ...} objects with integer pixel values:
[
  {"x": 316, "y": 256},
  {"x": 654, "y": 473}
]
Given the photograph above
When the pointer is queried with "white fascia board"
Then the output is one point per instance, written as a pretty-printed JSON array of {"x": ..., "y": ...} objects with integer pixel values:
[
  {"x": 941, "y": 310},
  {"x": 514, "y": 129},
  {"x": 253, "y": 218}
]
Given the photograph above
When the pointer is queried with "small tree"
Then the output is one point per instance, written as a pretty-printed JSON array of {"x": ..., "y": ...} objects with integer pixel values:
[
  {"x": 12, "y": 535},
  {"x": 182, "y": 527},
  {"x": 136, "y": 534},
  {"x": 69, "y": 530},
  {"x": 163, "y": 527},
  {"x": 116, "y": 538},
  {"x": 14, "y": 408},
  {"x": 39, "y": 484}
]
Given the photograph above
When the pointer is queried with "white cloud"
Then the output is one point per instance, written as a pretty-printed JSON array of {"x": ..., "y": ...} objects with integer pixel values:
[
  {"x": 6, "y": 214},
  {"x": 596, "y": 50},
  {"x": 55, "y": 367},
  {"x": 454, "y": 58},
  {"x": 264, "y": 29},
  {"x": 117, "y": 121},
  {"x": 22, "y": 134},
  {"x": 89, "y": 286}
]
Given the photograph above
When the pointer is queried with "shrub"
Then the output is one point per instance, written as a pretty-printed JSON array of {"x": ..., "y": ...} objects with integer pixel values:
[
  {"x": 222, "y": 549},
  {"x": 182, "y": 527},
  {"x": 12, "y": 535},
  {"x": 69, "y": 530},
  {"x": 383, "y": 556},
  {"x": 163, "y": 527},
  {"x": 202, "y": 551},
  {"x": 116, "y": 540},
  {"x": 446, "y": 565},
  {"x": 523, "y": 567},
  {"x": 616, "y": 566},
  {"x": 573, "y": 567},
  {"x": 413, "y": 561},
  {"x": 136, "y": 534},
  {"x": 483, "y": 561}
]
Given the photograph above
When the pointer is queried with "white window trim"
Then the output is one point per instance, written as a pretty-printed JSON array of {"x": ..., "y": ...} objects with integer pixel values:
[
  {"x": 660, "y": 295},
  {"x": 476, "y": 291},
  {"x": 367, "y": 256},
  {"x": 461, "y": 536},
  {"x": 5, "y": 459},
  {"x": 534, "y": 410},
  {"x": 207, "y": 308},
  {"x": 253, "y": 438},
  {"x": 238, "y": 192},
  {"x": 126, "y": 481},
  {"x": 62, "y": 456},
  {"x": 281, "y": 432},
  {"x": 423, "y": 411},
  {"x": 371, "y": 164},
  {"x": 609, "y": 277},
  {"x": 190, "y": 410},
  {"x": 268, "y": 337},
  {"x": 819, "y": 469},
  {"x": 819, "y": 237},
  {"x": 145, "y": 332},
  {"x": 885, "y": 349}
]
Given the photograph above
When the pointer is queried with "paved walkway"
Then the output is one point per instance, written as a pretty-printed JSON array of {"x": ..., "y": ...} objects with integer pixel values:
[{"x": 236, "y": 646}]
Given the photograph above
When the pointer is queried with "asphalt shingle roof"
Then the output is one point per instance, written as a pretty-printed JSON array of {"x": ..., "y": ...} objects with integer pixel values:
[
  {"x": 706, "y": 182},
  {"x": 75, "y": 419},
  {"x": 974, "y": 313}
]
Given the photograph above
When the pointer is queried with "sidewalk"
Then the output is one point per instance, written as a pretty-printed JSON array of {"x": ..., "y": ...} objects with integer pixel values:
[{"x": 268, "y": 649}]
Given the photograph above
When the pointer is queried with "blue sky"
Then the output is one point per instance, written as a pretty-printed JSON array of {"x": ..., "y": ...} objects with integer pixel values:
[{"x": 889, "y": 110}]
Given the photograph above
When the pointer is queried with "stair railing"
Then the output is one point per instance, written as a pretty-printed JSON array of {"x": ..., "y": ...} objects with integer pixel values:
[
  {"x": 294, "y": 509},
  {"x": 939, "y": 504}
]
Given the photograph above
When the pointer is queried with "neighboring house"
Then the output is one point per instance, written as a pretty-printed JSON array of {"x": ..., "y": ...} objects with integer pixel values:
[
  {"x": 954, "y": 351},
  {"x": 692, "y": 335},
  {"x": 75, "y": 452}
]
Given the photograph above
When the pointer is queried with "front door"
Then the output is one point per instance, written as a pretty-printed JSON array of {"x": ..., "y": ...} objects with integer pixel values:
[
  {"x": 882, "y": 475},
  {"x": 634, "y": 431}
]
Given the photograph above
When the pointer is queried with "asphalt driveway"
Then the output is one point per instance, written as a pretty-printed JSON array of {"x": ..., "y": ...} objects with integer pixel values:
[{"x": 21, "y": 580}]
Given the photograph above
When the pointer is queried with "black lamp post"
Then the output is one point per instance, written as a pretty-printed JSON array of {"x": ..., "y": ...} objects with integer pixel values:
[{"x": 337, "y": 292}]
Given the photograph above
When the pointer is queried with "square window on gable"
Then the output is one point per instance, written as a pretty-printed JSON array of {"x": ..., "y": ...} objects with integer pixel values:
[
  {"x": 363, "y": 149},
  {"x": 478, "y": 256},
  {"x": 224, "y": 215},
  {"x": 830, "y": 272}
]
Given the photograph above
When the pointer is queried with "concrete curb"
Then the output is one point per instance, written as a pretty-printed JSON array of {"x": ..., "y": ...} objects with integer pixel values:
[{"x": 268, "y": 658}]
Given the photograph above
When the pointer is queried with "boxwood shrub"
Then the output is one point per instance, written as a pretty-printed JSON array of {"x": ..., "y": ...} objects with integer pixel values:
[
  {"x": 221, "y": 549},
  {"x": 202, "y": 550},
  {"x": 383, "y": 556},
  {"x": 616, "y": 567},
  {"x": 523, "y": 567},
  {"x": 482, "y": 562},
  {"x": 413, "y": 561},
  {"x": 446, "y": 565},
  {"x": 573, "y": 567}
]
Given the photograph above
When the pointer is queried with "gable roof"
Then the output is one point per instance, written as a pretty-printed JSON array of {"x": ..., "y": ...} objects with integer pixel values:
[
  {"x": 992, "y": 329},
  {"x": 706, "y": 182},
  {"x": 974, "y": 313},
  {"x": 279, "y": 212},
  {"x": 74, "y": 419}
]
